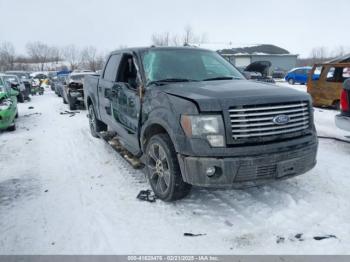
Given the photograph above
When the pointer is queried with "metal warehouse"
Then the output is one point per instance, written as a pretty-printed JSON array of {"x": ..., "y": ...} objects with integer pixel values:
[{"x": 280, "y": 58}]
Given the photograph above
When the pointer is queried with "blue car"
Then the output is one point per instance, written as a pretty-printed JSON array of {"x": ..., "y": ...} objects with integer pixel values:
[{"x": 299, "y": 75}]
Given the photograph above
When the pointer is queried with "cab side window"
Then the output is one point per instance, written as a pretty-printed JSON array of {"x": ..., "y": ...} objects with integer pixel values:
[
  {"x": 110, "y": 73},
  {"x": 127, "y": 71}
]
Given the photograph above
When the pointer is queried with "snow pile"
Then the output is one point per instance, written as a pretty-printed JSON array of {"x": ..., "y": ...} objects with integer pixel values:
[{"x": 65, "y": 192}]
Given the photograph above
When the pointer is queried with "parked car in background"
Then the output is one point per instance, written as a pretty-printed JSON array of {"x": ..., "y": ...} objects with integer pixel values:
[
  {"x": 342, "y": 120},
  {"x": 278, "y": 73},
  {"x": 73, "y": 92},
  {"x": 16, "y": 84},
  {"x": 61, "y": 82},
  {"x": 52, "y": 77},
  {"x": 326, "y": 89},
  {"x": 8, "y": 106},
  {"x": 193, "y": 119},
  {"x": 298, "y": 75},
  {"x": 24, "y": 78}
]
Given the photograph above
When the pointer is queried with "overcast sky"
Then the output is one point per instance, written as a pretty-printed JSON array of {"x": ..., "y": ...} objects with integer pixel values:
[{"x": 297, "y": 25}]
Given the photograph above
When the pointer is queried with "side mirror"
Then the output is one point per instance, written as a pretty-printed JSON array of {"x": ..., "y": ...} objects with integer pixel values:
[{"x": 347, "y": 84}]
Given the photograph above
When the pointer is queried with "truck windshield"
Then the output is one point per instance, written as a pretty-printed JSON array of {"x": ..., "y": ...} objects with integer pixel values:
[{"x": 172, "y": 65}]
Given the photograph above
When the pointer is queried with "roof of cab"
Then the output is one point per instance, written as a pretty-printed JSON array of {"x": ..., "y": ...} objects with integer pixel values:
[{"x": 141, "y": 49}]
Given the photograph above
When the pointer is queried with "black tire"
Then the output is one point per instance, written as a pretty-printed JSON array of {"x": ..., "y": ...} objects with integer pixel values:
[
  {"x": 12, "y": 128},
  {"x": 16, "y": 116},
  {"x": 96, "y": 125},
  {"x": 291, "y": 81},
  {"x": 64, "y": 100},
  {"x": 20, "y": 98},
  {"x": 71, "y": 102},
  {"x": 163, "y": 170}
]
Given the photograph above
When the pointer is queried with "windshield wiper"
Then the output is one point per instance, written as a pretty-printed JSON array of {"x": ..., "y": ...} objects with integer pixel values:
[
  {"x": 221, "y": 78},
  {"x": 169, "y": 80}
]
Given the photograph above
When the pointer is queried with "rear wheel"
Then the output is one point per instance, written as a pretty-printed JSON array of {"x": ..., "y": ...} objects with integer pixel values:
[
  {"x": 20, "y": 98},
  {"x": 96, "y": 125},
  {"x": 291, "y": 81},
  {"x": 71, "y": 102},
  {"x": 12, "y": 127},
  {"x": 164, "y": 173}
]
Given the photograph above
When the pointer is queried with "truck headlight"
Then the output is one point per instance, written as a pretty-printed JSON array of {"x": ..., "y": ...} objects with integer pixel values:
[{"x": 210, "y": 127}]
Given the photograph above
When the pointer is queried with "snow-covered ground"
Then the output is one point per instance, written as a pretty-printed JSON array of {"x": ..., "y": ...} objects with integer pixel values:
[{"x": 64, "y": 192}]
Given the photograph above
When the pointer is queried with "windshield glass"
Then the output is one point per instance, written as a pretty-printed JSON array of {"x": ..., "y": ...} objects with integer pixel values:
[{"x": 186, "y": 64}]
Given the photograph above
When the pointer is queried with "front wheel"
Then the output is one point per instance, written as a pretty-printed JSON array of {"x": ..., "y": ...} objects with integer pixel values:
[
  {"x": 164, "y": 172},
  {"x": 291, "y": 81},
  {"x": 12, "y": 127}
]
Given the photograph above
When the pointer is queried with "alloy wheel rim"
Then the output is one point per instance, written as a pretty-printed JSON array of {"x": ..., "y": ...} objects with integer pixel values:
[{"x": 158, "y": 166}]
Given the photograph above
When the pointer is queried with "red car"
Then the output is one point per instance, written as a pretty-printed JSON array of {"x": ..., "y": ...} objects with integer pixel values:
[{"x": 343, "y": 119}]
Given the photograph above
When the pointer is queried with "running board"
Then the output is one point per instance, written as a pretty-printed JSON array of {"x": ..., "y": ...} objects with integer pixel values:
[{"x": 111, "y": 138}]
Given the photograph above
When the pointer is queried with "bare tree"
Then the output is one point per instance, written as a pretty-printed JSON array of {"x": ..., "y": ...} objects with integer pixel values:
[
  {"x": 55, "y": 54},
  {"x": 188, "y": 35},
  {"x": 91, "y": 59},
  {"x": 72, "y": 55},
  {"x": 318, "y": 54},
  {"x": 339, "y": 51},
  {"x": 39, "y": 53},
  {"x": 176, "y": 41},
  {"x": 7, "y": 56},
  {"x": 160, "y": 39}
]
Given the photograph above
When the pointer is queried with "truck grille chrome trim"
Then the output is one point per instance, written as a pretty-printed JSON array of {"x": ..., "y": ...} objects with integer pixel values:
[
  {"x": 268, "y": 108},
  {"x": 258, "y": 120}
]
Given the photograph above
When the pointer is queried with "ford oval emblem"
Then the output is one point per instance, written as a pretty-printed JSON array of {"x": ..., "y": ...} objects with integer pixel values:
[{"x": 281, "y": 119}]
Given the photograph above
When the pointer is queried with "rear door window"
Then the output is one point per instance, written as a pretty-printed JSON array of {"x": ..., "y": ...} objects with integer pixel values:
[{"x": 111, "y": 69}]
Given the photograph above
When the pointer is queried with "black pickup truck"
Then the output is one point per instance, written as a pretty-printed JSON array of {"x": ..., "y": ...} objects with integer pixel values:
[{"x": 193, "y": 119}]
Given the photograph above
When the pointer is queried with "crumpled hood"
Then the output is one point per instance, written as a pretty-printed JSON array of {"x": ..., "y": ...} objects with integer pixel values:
[
  {"x": 258, "y": 66},
  {"x": 219, "y": 95}
]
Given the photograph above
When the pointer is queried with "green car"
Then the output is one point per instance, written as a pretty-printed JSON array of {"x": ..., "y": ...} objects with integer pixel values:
[{"x": 8, "y": 106}]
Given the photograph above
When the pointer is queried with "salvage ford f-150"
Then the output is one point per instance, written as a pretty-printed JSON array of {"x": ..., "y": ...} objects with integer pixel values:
[{"x": 193, "y": 119}]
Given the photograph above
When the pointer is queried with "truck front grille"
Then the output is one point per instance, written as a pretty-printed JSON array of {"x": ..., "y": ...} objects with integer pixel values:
[{"x": 260, "y": 120}]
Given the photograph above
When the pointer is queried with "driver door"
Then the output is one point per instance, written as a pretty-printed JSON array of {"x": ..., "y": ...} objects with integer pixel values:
[{"x": 126, "y": 103}]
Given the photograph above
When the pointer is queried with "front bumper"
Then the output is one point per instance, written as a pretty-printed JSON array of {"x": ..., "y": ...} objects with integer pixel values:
[
  {"x": 240, "y": 172},
  {"x": 342, "y": 122}
]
